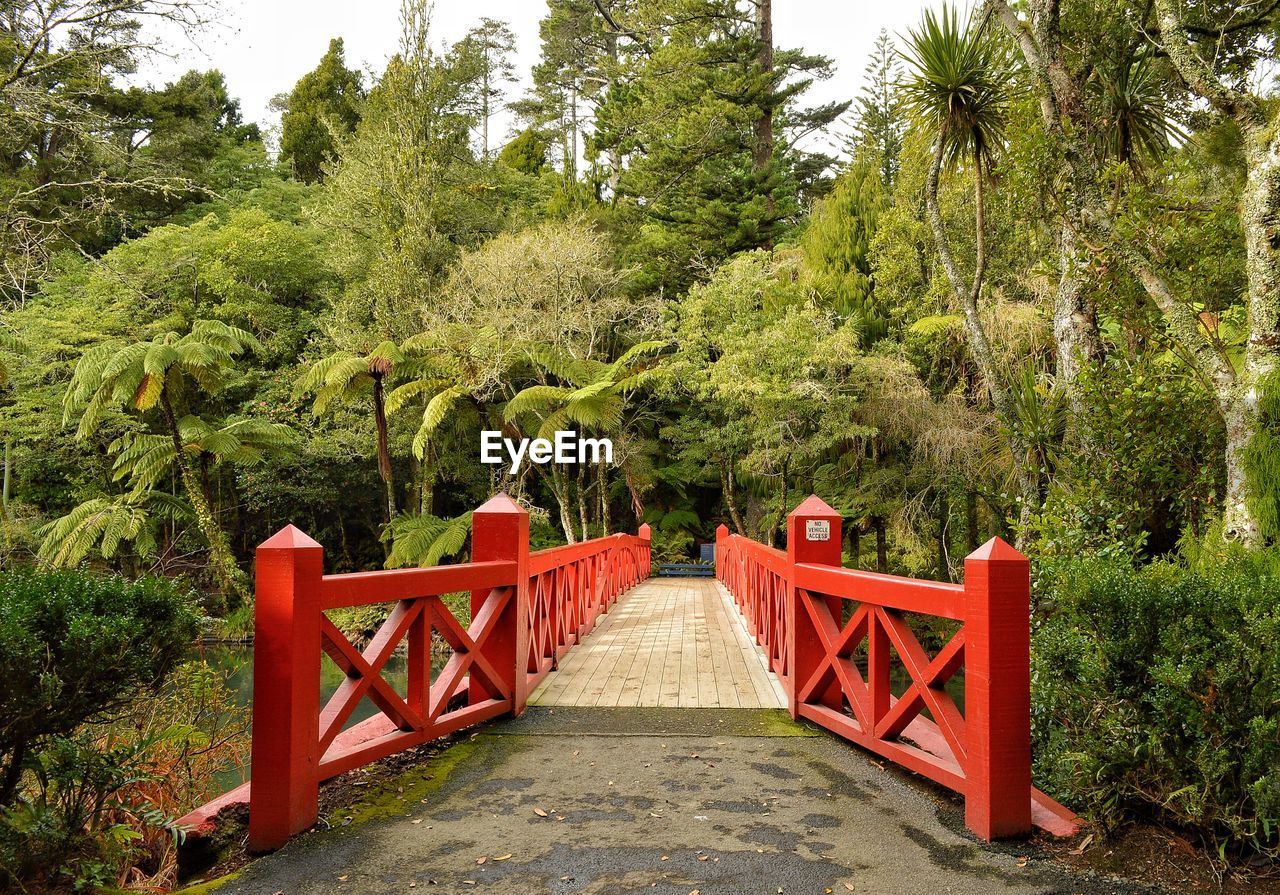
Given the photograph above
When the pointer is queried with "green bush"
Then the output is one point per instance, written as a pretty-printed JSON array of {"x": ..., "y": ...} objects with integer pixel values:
[
  {"x": 76, "y": 647},
  {"x": 1156, "y": 694}
]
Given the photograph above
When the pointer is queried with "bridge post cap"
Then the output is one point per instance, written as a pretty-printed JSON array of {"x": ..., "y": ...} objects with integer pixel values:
[
  {"x": 645, "y": 530},
  {"x": 813, "y": 505},
  {"x": 289, "y": 538},
  {"x": 996, "y": 550},
  {"x": 721, "y": 530},
  {"x": 501, "y": 503}
]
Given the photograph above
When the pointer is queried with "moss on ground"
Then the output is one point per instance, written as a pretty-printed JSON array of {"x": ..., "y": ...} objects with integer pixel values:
[
  {"x": 207, "y": 886},
  {"x": 388, "y": 797}
]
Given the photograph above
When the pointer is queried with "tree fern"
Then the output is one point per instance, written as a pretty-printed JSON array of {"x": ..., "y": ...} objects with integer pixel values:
[
  {"x": 104, "y": 523},
  {"x": 424, "y": 540},
  {"x": 145, "y": 376}
]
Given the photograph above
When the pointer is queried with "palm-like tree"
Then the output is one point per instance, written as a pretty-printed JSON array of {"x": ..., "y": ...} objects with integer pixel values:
[
  {"x": 1132, "y": 100},
  {"x": 147, "y": 459},
  {"x": 159, "y": 374},
  {"x": 593, "y": 395},
  {"x": 959, "y": 86},
  {"x": 105, "y": 523},
  {"x": 346, "y": 376}
]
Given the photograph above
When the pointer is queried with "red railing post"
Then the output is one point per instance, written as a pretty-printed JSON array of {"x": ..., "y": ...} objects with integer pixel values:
[
  {"x": 813, "y": 537},
  {"x": 283, "y": 794},
  {"x": 500, "y": 532},
  {"x": 997, "y": 691},
  {"x": 722, "y": 539},
  {"x": 645, "y": 534}
]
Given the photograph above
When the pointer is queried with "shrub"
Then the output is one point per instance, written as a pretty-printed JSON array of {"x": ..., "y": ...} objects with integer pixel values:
[
  {"x": 1156, "y": 694},
  {"x": 97, "y": 808},
  {"x": 76, "y": 647}
]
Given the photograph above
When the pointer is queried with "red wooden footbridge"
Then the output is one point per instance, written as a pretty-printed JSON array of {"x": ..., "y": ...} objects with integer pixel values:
[{"x": 824, "y": 639}]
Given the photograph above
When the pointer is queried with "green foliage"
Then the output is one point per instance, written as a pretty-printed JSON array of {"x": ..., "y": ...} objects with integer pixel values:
[
  {"x": 141, "y": 375},
  {"x": 1262, "y": 459},
  {"x": 1155, "y": 694},
  {"x": 325, "y": 103},
  {"x": 526, "y": 153},
  {"x": 422, "y": 540},
  {"x": 76, "y": 647},
  {"x": 837, "y": 249},
  {"x": 1133, "y": 475},
  {"x": 699, "y": 183},
  {"x": 97, "y": 808},
  {"x": 105, "y": 523}
]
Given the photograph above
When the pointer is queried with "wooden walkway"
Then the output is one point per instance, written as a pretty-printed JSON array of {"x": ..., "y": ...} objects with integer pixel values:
[{"x": 669, "y": 642}]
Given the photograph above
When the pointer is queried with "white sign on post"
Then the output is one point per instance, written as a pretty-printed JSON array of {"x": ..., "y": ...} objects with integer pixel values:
[{"x": 817, "y": 530}]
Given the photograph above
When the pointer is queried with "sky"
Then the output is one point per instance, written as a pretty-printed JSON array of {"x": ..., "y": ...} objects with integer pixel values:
[{"x": 264, "y": 46}]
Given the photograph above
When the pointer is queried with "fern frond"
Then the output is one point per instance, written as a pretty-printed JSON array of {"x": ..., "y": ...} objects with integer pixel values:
[
  {"x": 535, "y": 398},
  {"x": 424, "y": 540},
  {"x": 437, "y": 409}
]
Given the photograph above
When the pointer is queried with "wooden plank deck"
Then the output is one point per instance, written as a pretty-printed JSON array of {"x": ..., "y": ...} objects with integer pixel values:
[{"x": 669, "y": 642}]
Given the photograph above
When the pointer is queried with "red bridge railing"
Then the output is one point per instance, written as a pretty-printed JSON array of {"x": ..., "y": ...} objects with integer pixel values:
[
  {"x": 527, "y": 610},
  {"x": 794, "y": 605}
]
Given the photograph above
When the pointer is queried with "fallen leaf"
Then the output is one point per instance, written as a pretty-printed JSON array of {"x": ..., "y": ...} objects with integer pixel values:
[
  {"x": 482, "y": 859},
  {"x": 666, "y": 858},
  {"x": 575, "y": 753},
  {"x": 506, "y": 857},
  {"x": 343, "y": 877},
  {"x": 1023, "y": 861},
  {"x": 539, "y": 812},
  {"x": 849, "y": 886},
  {"x": 704, "y": 857},
  {"x": 418, "y": 821}
]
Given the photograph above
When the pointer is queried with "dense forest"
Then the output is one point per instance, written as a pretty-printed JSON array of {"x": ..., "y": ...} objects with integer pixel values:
[{"x": 1033, "y": 291}]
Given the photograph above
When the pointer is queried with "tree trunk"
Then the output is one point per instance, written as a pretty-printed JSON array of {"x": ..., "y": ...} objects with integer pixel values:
[
  {"x": 944, "y": 557},
  {"x": 560, "y": 490},
  {"x": 971, "y": 537},
  {"x": 582, "y": 501},
  {"x": 782, "y": 509},
  {"x": 855, "y": 544},
  {"x": 968, "y": 294},
  {"x": 1075, "y": 320},
  {"x": 384, "y": 449},
  {"x": 485, "y": 110},
  {"x": 1249, "y": 481},
  {"x": 762, "y": 155},
  {"x": 606, "y": 518},
  {"x": 731, "y": 500},
  {"x": 13, "y": 774},
  {"x": 882, "y": 546},
  {"x": 221, "y": 561}
]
